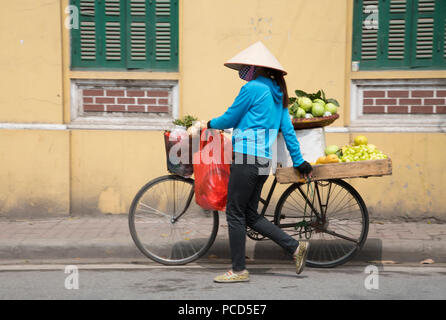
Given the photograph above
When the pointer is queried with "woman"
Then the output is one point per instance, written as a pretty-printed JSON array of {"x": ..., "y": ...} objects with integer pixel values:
[{"x": 259, "y": 111}]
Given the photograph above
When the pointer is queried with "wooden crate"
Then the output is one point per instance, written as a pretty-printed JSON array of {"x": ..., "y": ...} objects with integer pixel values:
[{"x": 343, "y": 170}]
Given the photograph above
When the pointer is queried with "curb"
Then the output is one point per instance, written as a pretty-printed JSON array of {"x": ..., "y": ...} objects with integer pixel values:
[{"x": 399, "y": 251}]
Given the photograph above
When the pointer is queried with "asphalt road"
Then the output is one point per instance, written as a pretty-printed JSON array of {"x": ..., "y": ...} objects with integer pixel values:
[{"x": 194, "y": 282}]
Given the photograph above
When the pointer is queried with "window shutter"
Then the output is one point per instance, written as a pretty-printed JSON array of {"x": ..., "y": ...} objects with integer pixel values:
[
  {"x": 396, "y": 35},
  {"x": 365, "y": 37},
  {"x": 100, "y": 40},
  {"x": 382, "y": 34},
  {"x": 410, "y": 34},
  {"x": 114, "y": 33},
  {"x": 138, "y": 24},
  {"x": 153, "y": 34},
  {"x": 429, "y": 34},
  {"x": 84, "y": 48},
  {"x": 164, "y": 51},
  {"x": 126, "y": 34},
  {"x": 444, "y": 40}
]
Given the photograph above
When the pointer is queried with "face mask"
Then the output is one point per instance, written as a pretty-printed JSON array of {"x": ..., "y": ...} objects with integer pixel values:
[{"x": 247, "y": 73}]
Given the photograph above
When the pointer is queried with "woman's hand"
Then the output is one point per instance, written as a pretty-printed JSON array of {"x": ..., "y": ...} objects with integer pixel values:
[
  {"x": 196, "y": 128},
  {"x": 306, "y": 170}
]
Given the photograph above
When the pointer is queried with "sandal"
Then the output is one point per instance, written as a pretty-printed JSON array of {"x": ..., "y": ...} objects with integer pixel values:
[
  {"x": 233, "y": 277},
  {"x": 301, "y": 255}
]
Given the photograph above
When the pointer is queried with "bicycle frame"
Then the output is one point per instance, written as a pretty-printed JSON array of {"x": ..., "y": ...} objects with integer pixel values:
[
  {"x": 310, "y": 217},
  {"x": 267, "y": 201},
  {"x": 320, "y": 215}
]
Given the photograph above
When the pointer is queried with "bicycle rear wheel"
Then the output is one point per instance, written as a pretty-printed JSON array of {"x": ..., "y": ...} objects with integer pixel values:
[
  {"x": 337, "y": 232},
  {"x": 167, "y": 225}
]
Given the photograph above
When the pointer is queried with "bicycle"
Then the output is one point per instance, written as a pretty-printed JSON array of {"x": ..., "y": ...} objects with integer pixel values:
[{"x": 168, "y": 226}]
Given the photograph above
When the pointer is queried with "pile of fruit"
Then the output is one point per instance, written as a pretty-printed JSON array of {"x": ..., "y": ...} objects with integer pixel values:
[
  {"x": 359, "y": 151},
  {"x": 312, "y": 105}
]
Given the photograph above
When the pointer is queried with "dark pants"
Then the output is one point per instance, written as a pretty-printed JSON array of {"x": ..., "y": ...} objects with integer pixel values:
[{"x": 244, "y": 190}]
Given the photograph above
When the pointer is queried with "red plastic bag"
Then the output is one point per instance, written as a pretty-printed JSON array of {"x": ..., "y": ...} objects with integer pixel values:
[{"x": 212, "y": 168}]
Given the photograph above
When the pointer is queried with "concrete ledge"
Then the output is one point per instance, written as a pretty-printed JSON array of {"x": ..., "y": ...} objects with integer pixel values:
[{"x": 400, "y": 251}]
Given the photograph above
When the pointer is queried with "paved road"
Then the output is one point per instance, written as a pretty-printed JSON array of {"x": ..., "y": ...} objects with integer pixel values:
[{"x": 195, "y": 282}]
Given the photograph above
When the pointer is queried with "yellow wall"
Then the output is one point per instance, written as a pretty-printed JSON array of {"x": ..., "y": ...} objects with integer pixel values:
[
  {"x": 416, "y": 188},
  {"x": 35, "y": 172},
  {"x": 99, "y": 171},
  {"x": 30, "y": 61},
  {"x": 310, "y": 46},
  {"x": 109, "y": 167}
]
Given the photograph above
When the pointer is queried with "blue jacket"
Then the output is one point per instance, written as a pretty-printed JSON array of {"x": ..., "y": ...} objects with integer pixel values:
[{"x": 256, "y": 115}]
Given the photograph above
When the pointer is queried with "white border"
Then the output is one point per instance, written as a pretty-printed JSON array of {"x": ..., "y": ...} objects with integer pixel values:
[
  {"x": 393, "y": 122},
  {"x": 122, "y": 122},
  {"x": 32, "y": 126},
  {"x": 55, "y": 127}
]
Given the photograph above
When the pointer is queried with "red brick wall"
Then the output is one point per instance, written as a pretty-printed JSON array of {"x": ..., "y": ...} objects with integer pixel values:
[
  {"x": 125, "y": 100},
  {"x": 406, "y": 101}
]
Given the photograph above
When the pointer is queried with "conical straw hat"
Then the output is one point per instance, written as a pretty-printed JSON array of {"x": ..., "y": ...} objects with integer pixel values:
[{"x": 255, "y": 55}]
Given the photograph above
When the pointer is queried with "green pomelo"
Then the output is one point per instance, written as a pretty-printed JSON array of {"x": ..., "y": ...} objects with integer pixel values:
[
  {"x": 330, "y": 107},
  {"x": 317, "y": 110},
  {"x": 331, "y": 149},
  {"x": 305, "y": 103}
]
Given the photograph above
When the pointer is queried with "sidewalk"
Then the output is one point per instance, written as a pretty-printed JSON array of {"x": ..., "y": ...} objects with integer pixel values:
[{"x": 108, "y": 238}]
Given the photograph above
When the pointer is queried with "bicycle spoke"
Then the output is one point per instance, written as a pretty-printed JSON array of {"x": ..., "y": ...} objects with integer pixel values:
[
  {"x": 295, "y": 201},
  {"x": 343, "y": 229},
  {"x": 340, "y": 202},
  {"x": 340, "y": 190},
  {"x": 338, "y": 226},
  {"x": 335, "y": 234},
  {"x": 167, "y": 225},
  {"x": 308, "y": 201},
  {"x": 153, "y": 210},
  {"x": 344, "y": 207}
]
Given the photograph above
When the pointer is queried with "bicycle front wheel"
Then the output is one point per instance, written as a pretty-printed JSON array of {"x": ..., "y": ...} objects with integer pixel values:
[
  {"x": 167, "y": 225},
  {"x": 338, "y": 229}
]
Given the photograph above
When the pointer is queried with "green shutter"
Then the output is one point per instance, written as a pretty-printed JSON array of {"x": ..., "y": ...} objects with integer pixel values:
[
  {"x": 384, "y": 44},
  {"x": 126, "y": 34},
  {"x": 164, "y": 49},
  {"x": 365, "y": 36},
  {"x": 396, "y": 18},
  {"x": 429, "y": 34},
  {"x": 410, "y": 34},
  {"x": 100, "y": 40},
  {"x": 113, "y": 42},
  {"x": 84, "y": 48},
  {"x": 138, "y": 27},
  {"x": 153, "y": 34}
]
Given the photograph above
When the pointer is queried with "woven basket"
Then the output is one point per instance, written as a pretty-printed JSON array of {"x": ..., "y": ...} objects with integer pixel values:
[
  {"x": 181, "y": 169},
  {"x": 319, "y": 122}
]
